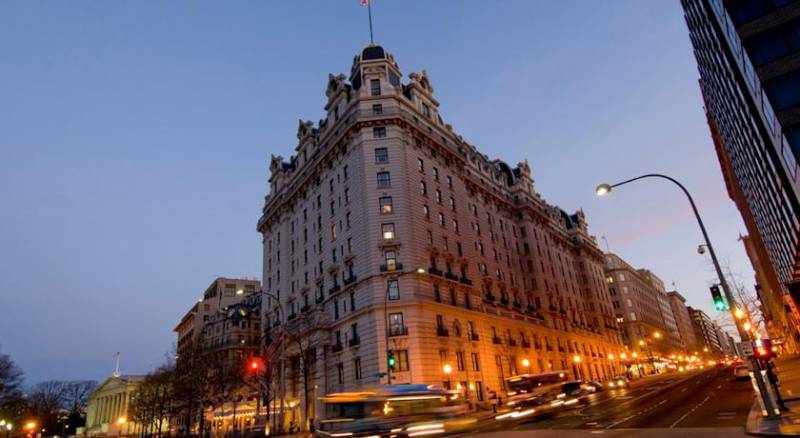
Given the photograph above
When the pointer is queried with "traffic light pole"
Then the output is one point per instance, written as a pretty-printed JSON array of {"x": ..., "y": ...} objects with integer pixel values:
[{"x": 745, "y": 337}]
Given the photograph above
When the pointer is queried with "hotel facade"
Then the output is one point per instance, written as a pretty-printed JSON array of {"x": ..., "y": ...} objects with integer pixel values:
[{"x": 407, "y": 242}]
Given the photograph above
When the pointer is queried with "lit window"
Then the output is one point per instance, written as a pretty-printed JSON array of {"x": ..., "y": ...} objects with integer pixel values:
[
  {"x": 390, "y": 258},
  {"x": 426, "y": 211},
  {"x": 423, "y": 188},
  {"x": 387, "y": 230},
  {"x": 420, "y": 165},
  {"x": 386, "y": 205}
]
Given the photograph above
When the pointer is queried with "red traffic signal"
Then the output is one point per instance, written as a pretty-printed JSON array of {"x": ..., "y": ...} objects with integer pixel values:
[
  {"x": 763, "y": 349},
  {"x": 255, "y": 365}
]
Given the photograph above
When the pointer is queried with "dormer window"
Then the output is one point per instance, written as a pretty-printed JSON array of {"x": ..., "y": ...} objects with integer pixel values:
[
  {"x": 375, "y": 87},
  {"x": 426, "y": 110}
]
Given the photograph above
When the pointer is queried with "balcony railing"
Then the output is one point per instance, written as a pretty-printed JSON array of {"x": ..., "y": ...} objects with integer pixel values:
[
  {"x": 503, "y": 300},
  {"x": 512, "y": 342},
  {"x": 496, "y": 340},
  {"x": 451, "y": 276},
  {"x": 398, "y": 331},
  {"x": 466, "y": 281},
  {"x": 526, "y": 344},
  {"x": 434, "y": 271},
  {"x": 291, "y": 316},
  {"x": 305, "y": 308},
  {"x": 474, "y": 337},
  {"x": 334, "y": 289},
  {"x": 337, "y": 347},
  {"x": 441, "y": 331},
  {"x": 320, "y": 299},
  {"x": 389, "y": 267},
  {"x": 517, "y": 304},
  {"x": 355, "y": 340},
  {"x": 349, "y": 280},
  {"x": 489, "y": 297}
]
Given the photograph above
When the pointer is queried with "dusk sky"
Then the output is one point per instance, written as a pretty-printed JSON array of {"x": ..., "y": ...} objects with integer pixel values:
[{"x": 136, "y": 137}]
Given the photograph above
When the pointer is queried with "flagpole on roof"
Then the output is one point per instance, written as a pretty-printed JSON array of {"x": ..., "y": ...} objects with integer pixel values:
[{"x": 368, "y": 4}]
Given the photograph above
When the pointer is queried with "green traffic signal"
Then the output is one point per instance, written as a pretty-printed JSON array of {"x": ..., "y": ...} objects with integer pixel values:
[
  {"x": 391, "y": 360},
  {"x": 719, "y": 302}
]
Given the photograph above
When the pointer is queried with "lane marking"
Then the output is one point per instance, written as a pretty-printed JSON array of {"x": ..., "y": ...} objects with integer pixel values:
[
  {"x": 690, "y": 411},
  {"x": 620, "y": 421}
]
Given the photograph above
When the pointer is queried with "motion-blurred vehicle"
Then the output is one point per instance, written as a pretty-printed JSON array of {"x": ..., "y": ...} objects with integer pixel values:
[
  {"x": 618, "y": 382},
  {"x": 532, "y": 396},
  {"x": 741, "y": 372},
  {"x": 394, "y": 411},
  {"x": 594, "y": 386}
]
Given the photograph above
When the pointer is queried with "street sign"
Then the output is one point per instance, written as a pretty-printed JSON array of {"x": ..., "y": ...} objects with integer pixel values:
[{"x": 746, "y": 348}]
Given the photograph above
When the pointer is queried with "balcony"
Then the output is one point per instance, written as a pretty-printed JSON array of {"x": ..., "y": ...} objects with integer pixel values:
[
  {"x": 398, "y": 331},
  {"x": 503, "y": 300},
  {"x": 305, "y": 308},
  {"x": 291, "y": 316},
  {"x": 276, "y": 324},
  {"x": 512, "y": 343},
  {"x": 465, "y": 280},
  {"x": 434, "y": 271},
  {"x": 561, "y": 349},
  {"x": 537, "y": 346},
  {"x": 517, "y": 304},
  {"x": 526, "y": 343},
  {"x": 391, "y": 267},
  {"x": 337, "y": 347},
  {"x": 548, "y": 347},
  {"x": 553, "y": 308},
  {"x": 441, "y": 331},
  {"x": 354, "y": 341},
  {"x": 451, "y": 276},
  {"x": 334, "y": 289},
  {"x": 489, "y": 297},
  {"x": 496, "y": 340},
  {"x": 350, "y": 280},
  {"x": 474, "y": 337},
  {"x": 320, "y": 299}
]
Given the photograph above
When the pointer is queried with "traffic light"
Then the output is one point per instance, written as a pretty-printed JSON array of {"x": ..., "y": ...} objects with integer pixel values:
[
  {"x": 391, "y": 360},
  {"x": 255, "y": 365},
  {"x": 719, "y": 302}
]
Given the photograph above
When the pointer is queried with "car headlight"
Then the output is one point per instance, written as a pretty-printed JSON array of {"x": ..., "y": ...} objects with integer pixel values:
[
  {"x": 620, "y": 383},
  {"x": 611, "y": 384}
]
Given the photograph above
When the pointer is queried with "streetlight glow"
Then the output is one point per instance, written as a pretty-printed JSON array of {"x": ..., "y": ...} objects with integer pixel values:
[
  {"x": 447, "y": 368},
  {"x": 603, "y": 189},
  {"x": 526, "y": 363},
  {"x": 577, "y": 358}
]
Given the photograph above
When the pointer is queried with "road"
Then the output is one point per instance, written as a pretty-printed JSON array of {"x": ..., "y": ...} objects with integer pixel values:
[{"x": 690, "y": 403}]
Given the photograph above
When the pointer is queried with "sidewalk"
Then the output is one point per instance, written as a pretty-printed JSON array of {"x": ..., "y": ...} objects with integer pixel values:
[{"x": 789, "y": 422}]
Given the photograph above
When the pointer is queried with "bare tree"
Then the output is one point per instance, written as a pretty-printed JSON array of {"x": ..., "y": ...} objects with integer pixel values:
[
  {"x": 76, "y": 395},
  {"x": 11, "y": 398},
  {"x": 303, "y": 334},
  {"x": 46, "y": 401}
]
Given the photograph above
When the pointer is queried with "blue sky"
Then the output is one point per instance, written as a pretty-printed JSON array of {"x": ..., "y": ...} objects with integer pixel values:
[{"x": 135, "y": 138}]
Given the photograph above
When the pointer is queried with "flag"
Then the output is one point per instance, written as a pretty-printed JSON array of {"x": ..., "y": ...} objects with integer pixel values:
[{"x": 364, "y": 2}]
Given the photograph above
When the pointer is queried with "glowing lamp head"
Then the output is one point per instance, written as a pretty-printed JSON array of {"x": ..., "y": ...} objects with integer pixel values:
[
  {"x": 738, "y": 313},
  {"x": 526, "y": 362},
  {"x": 576, "y": 359},
  {"x": 602, "y": 190},
  {"x": 121, "y": 420},
  {"x": 447, "y": 369},
  {"x": 610, "y": 356},
  {"x": 657, "y": 335}
]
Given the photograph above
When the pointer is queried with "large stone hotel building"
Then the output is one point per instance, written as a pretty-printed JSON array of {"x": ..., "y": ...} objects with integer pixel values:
[{"x": 405, "y": 238}]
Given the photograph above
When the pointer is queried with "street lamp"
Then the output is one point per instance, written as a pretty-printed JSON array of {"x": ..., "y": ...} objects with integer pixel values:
[
  {"x": 604, "y": 189},
  {"x": 447, "y": 369},
  {"x": 577, "y": 364},
  {"x": 527, "y": 364},
  {"x": 120, "y": 422}
]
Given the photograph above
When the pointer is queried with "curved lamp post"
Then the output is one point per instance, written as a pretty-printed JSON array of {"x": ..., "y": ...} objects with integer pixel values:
[{"x": 605, "y": 189}]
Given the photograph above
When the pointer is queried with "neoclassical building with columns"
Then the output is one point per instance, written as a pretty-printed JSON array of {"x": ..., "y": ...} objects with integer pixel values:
[
  {"x": 109, "y": 403},
  {"x": 407, "y": 241}
]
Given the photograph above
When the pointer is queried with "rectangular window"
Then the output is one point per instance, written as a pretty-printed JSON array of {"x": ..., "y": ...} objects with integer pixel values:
[
  {"x": 377, "y": 109},
  {"x": 476, "y": 362},
  {"x": 333, "y": 231},
  {"x": 357, "y": 368},
  {"x": 397, "y": 326},
  {"x": 394, "y": 289},
  {"x": 381, "y": 155},
  {"x": 460, "y": 361},
  {"x": 401, "y": 358},
  {"x": 375, "y": 87},
  {"x": 387, "y": 231},
  {"x": 386, "y": 205},
  {"x": 384, "y": 180},
  {"x": 340, "y": 372},
  {"x": 390, "y": 258},
  {"x": 379, "y": 132},
  {"x": 420, "y": 165},
  {"x": 423, "y": 188}
]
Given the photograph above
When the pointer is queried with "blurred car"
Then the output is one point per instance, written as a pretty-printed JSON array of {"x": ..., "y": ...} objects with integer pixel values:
[
  {"x": 618, "y": 382},
  {"x": 593, "y": 386},
  {"x": 741, "y": 372}
]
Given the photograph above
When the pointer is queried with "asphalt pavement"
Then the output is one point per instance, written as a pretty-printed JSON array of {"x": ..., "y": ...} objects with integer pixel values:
[{"x": 694, "y": 402}]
